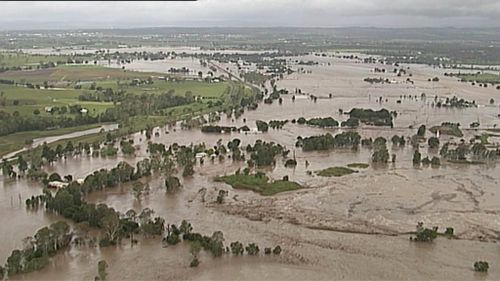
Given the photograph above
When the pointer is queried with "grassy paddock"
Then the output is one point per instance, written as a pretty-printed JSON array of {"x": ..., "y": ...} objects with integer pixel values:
[
  {"x": 479, "y": 78},
  {"x": 358, "y": 165},
  {"x": 335, "y": 172},
  {"x": 75, "y": 73}
]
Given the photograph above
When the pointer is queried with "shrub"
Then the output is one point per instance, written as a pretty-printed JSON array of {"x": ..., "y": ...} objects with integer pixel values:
[
  {"x": 252, "y": 249},
  {"x": 481, "y": 266},
  {"x": 449, "y": 231},
  {"x": 433, "y": 142},
  {"x": 277, "y": 250},
  {"x": 424, "y": 234}
]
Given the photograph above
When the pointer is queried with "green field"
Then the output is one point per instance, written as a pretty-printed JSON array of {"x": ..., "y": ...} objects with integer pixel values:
[
  {"x": 480, "y": 78},
  {"x": 36, "y": 102},
  {"x": 74, "y": 73},
  {"x": 358, "y": 165},
  {"x": 335, "y": 172},
  {"x": 9, "y": 59},
  {"x": 26, "y": 100}
]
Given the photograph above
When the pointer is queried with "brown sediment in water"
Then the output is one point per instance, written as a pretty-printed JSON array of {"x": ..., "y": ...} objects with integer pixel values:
[{"x": 351, "y": 228}]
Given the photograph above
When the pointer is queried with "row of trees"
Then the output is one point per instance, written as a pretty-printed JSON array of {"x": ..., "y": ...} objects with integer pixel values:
[
  {"x": 46, "y": 242},
  {"x": 371, "y": 117},
  {"x": 327, "y": 141}
]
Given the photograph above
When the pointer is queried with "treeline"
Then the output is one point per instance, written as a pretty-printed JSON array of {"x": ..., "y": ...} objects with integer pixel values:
[
  {"x": 220, "y": 129},
  {"x": 463, "y": 151},
  {"x": 327, "y": 141},
  {"x": 46, "y": 242},
  {"x": 455, "y": 102},
  {"x": 371, "y": 117},
  {"x": 13, "y": 123}
]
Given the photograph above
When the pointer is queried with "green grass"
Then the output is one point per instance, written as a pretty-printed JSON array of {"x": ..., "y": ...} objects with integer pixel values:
[
  {"x": 9, "y": 59},
  {"x": 75, "y": 73},
  {"x": 259, "y": 184},
  {"x": 28, "y": 100},
  {"x": 358, "y": 165},
  {"x": 479, "y": 78},
  {"x": 31, "y": 99},
  {"x": 335, "y": 172},
  {"x": 198, "y": 88},
  {"x": 17, "y": 141}
]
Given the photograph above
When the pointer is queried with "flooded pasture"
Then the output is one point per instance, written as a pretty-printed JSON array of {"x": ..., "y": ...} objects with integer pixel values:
[{"x": 354, "y": 227}]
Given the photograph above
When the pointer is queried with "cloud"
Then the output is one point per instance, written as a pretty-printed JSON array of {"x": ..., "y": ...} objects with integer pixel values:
[{"x": 307, "y": 13}]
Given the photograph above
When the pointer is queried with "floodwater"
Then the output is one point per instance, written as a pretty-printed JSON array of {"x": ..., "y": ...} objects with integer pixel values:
[{"x": 349, "y": 228}]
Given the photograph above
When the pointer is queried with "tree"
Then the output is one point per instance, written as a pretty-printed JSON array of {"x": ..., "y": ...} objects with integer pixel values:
[
  {"x": 262, "y": 126},
  {"x": 380, "y": 154},
  {"x": 110, "y": 222},
  {"x": 216, "y": 245},
  {"x": 22, "y": 165},
  {"x": 14, "y": 265},
  {"x": 449, "y": 231},
  {"x": 421, "y": 131},
  {"x": 416, "y": 157},
  {"x": 172, "y": 184},
  {"x": 481, "y": 266},
  {"x": 137, "y": 189},
  {"x": 277, "y": 250},
  {"x": 102, "y": 266},
  {"x": 220, "y": 197},
  {"x": 492, "y": 101},
  {"x": 433, "y": 142},
  {"x": 188, "y": 170},
  {"x": 185, "y": 227},
  {"x": 195, "y": 250},
  {"x": 129, "y": 227},
  {"x": 424, "y": 234},
  {"x": 252, "y": 249},
  {"x": 237, "y": 248}
]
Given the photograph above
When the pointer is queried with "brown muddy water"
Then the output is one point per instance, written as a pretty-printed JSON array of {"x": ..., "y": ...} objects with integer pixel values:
[{"x": 349, "y": 228}]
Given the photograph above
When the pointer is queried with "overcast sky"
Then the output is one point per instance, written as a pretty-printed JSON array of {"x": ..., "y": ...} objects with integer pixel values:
[{"x": 250, "y": 13}]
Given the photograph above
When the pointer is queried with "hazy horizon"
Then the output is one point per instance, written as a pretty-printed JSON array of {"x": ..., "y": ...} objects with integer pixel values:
[{"x": 249, "y": 13}]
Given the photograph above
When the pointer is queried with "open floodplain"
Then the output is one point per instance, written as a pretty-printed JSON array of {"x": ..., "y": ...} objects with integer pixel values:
[{"x": 353, "y": 227}]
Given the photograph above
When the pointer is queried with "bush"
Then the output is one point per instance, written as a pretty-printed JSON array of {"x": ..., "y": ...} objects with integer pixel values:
[
  {"x": 237, "y": 248},
  {"x": 291, "y": 163},
  {"x": 195, "y": 262},
  {"x": 277, "y": 250},
  {"x": 449, "y": 231},
  {"x": 481, "y": 266},
  {"x": 262, "y": 126},
  {"x": 421, "y": 131},
  {"x": 433, "y": 142},
  {"x": 435, "y": 161},
  {"x": 424, "y": 234},
  {"x": 417, "y": 157},
  {"x": 172, "y": 238},
  {"x": 252, "y": 249}
]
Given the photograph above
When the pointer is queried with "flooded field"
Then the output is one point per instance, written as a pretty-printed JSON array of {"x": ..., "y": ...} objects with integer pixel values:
[{"x": 354, "y": 227}]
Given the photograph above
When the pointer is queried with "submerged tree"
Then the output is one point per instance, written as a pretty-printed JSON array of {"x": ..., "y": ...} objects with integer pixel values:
[{"x": 102, "y": 266}]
